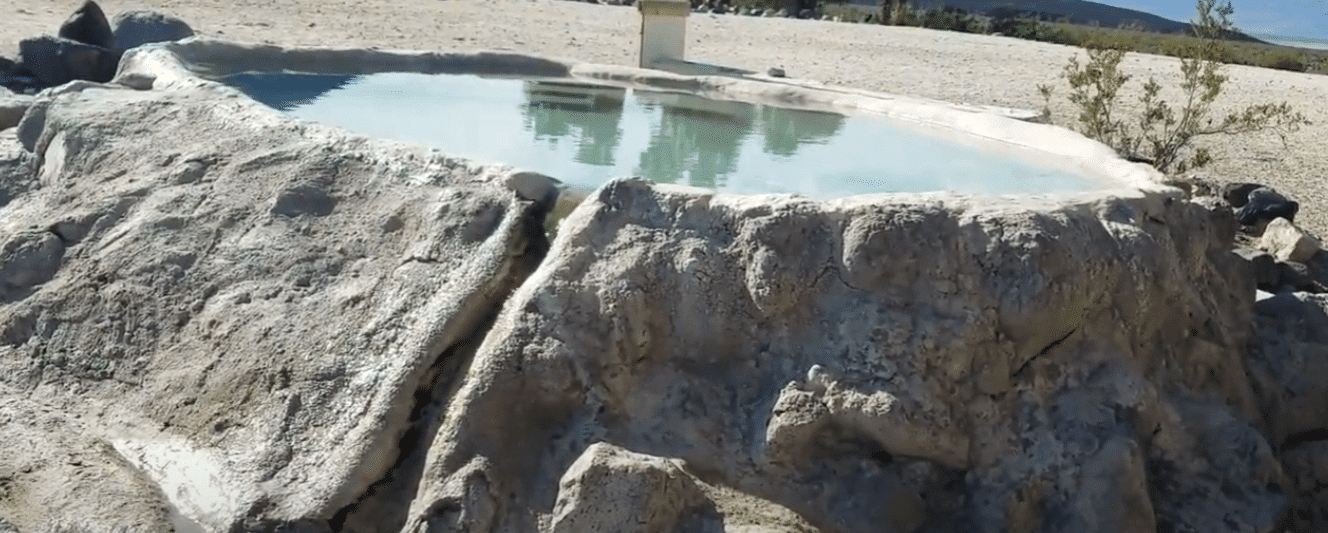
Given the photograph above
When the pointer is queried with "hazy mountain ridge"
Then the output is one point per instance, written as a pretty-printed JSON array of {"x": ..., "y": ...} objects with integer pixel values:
[{"x": 1077, "y": 11}]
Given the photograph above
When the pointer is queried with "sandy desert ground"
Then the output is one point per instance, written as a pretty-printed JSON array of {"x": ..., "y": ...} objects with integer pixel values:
[{"x": 947, "y": 66}]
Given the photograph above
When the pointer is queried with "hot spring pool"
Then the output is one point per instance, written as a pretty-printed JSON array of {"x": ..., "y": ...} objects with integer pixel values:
[{"x": 585, "y": 134}]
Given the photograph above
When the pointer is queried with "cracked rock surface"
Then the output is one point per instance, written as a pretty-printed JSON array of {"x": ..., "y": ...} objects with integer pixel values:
[{"x": 874, "y": 364}]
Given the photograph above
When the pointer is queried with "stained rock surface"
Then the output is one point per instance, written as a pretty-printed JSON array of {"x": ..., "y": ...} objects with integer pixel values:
[
  {"x": 875, "y": 364},
  {"x": 250, "y": 311},
  {"x": 55, "y": 476}
]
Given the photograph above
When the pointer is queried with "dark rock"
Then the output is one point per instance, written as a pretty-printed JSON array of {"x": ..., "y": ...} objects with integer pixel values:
[
  {"x": 1276, "y": 276},
  {"x": 1237, "y": 194},
  {"x": 1265, "y": 205},
  {"x": 776, "y": 72},
  {"x": 303, "y": 199},
  {"x": 136, "y": 28},
  {"x": 1318, "y": 268},
  {"x": 16, "y": 78},
  {"x": 20, "y": 84},
  {"x": 88, "y": 26},
  {"x": 1306, "y": 465},
  {"x": 1264, "y": 267},
  {"x": 1296, "y": 276},
  {"x": 57, "y": 60}
]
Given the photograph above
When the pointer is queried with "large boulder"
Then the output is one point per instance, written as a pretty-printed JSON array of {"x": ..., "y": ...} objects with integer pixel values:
[
  {"x": 1263, "y": 267},
  {"x": 1238, "y": 194},
  {"x": 890, "y": 363},
  {"x": 88, "y": 26},
  {"x": 57, "y": 60},
  {"x": 252, "y": 311},
  {"x": 1286, "y": 242},
  {"x": 1263, "y": 205},
  {"x": 136, "y": 28},
  {"x": 608, "y": 487}
]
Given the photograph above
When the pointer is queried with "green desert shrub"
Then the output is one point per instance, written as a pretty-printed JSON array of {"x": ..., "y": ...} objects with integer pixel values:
[
  {"x": 902, "y": 14},
  {"x": 759, "y": 4},
  {"x": 1163, "y": 133},
  {"x": 1033, "y": 30},
  {"x": 1284, "y": 61},
  {"x": 899, "y": 13}
]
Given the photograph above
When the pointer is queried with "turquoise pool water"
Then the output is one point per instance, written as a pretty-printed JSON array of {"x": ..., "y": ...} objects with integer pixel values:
[{"x": 586, "y": 134}]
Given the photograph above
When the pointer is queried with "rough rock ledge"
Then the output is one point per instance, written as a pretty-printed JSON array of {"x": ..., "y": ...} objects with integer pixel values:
[{"x": 218, "y": 318}]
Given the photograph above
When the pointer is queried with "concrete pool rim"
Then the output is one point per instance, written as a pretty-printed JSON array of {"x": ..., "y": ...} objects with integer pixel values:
[{"x": 193, "y": 62}]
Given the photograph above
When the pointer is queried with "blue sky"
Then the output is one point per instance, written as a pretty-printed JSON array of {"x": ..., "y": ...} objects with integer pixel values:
[{"x": 1265, "y": 18}]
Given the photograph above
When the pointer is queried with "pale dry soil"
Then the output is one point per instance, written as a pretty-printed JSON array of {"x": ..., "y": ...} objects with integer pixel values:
[{"x": 947, "y": 66}]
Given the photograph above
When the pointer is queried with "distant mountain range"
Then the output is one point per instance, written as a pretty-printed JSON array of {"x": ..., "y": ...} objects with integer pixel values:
[{"x": 1076, "y": 11}]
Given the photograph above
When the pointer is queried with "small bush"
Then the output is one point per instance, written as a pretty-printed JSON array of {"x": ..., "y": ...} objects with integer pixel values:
[
  {"x": 1162, "y": 134},
  {"x": 901, "y": 13},
  {"x": 759, "y": 4},
  {"x": 1284, "y": 61},
  {"x": 1033, "y": 30}
]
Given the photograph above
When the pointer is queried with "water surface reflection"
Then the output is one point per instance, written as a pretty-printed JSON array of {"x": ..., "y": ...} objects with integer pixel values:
[{"x": 585, "y": 134}]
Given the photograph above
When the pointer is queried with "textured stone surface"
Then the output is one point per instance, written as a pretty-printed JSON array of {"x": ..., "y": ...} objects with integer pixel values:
[
  {"x": 1289, "y": 362},
  {"x": 854, "y": 360},
  {"x": 1287, "y": 242},
  {"x": 54, "y": 476},
  {"x": 608, "y": 488},
  {"x": 135, "y": 28},
  {"x": 252, "y": 310},
  {"x": 1307, "y": 465},
  {"x": 56, "y": 60},
  {"x": 17, "y": 167},
  {"x": 273, "y": 323},
  {"x": 12, "y": 107}
]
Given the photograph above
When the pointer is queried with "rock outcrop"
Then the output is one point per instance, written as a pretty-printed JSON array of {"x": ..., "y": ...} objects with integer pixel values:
[
  {"x": 217, "y": 318},
  {"x": 136, "y": 28},
  {"x": 88, "y": 25},
  {"x": 253, "y": 312},
  {"x": 1288, "y": 362},
  {"x": 86, "y": 48},
  {"x": 57, "y": 60},
  {"x": 876, "y": 364}
]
